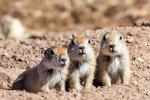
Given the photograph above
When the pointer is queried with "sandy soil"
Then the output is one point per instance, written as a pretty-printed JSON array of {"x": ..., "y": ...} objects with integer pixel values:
[
  {"x": 50, "y": 15},
  {"x": 16, "y": 57}
]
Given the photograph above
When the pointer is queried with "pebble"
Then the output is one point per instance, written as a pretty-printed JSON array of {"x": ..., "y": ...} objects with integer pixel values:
[
  {"x": 135, "y": 83},
  {"x": 130, "y": 40},
  {"x": 148, "y": 67},
  {"x": 140, "y": 59},
  {"x": 130, "y": 34}
]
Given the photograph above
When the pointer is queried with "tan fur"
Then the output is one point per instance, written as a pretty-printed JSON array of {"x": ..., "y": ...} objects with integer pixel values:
[
  {"x": 113, "y": 62},
  {"x": 82, "y": 67},
  {"x": 50, "y": 73}
]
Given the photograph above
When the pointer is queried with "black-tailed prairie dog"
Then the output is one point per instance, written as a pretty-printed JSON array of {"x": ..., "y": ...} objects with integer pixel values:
[
  {"x": 13, "y": 28},
  {"x": 83, "y": 62},
  {"x": 50, "y": 73},
  {"x": 113, "y": 60}
]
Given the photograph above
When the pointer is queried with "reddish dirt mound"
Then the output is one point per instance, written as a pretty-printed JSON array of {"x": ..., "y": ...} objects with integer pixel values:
[{"x": 15, "y": 57}]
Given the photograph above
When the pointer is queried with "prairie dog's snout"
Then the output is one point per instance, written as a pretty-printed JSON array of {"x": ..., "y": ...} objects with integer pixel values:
[
  {"x": 81, "y": 50},
  {"x": 57, "y": 57},
  {"x": 112, "y": 48},
  {"x": 63, "y": 61}
]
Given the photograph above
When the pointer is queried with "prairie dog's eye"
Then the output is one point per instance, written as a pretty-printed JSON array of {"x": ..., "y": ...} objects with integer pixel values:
[
  {"x": 89, "y": 41},
  {"x": 49, "y": 52},
  {"x": 120, "y": 37}
]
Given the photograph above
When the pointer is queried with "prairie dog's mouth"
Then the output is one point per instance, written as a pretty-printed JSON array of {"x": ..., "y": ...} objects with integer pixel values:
[
  {"x": 62, "y": 64},
  {"x": 82, "y": 53},
  {"x": 115, "y": 53},
  {"x": 112, "y": 51}
]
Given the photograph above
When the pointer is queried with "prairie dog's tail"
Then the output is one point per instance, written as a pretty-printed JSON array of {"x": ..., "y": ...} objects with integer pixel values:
[{"x": 19, "y": 83}]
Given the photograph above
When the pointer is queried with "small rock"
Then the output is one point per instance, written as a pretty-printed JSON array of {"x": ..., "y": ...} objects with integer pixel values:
[
  {"x": 140, "y": 59},
  {"x": 146, "y": 93},
  {"x": 130, "y": 34},
  {"x": 148, "y": 67},
  {"x": 135, "y": 83},
  {"x": 130, "y": 40}
]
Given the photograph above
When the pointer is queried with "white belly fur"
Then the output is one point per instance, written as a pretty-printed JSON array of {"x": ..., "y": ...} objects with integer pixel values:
[
  {"x": 84, "y": 69},
  {"x": 113, "y": 68},
  {"x": 54, "y": 79}
]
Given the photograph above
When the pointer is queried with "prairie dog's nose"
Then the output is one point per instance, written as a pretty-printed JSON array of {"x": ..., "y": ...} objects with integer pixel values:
[
  {"x": 112, "y": 47},
  {"x": 81, "y": 50},
  {"x": 81, "y": 47},
  {"x": 63, "y": 61}
]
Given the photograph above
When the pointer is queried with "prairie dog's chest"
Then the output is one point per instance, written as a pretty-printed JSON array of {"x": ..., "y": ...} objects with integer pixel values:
[
  {"x": 114, "y": 66},
  {"x": 84, "y": 68},
  {"x": 54, "y": 79}
]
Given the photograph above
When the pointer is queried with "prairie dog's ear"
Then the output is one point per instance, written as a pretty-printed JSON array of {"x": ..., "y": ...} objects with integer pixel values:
[
  {"x": 106, "y": 36},
  {"x": 72, "y": 40},
  {"x": 49, "y": 52},
  {"x": 73, "y": 36}
]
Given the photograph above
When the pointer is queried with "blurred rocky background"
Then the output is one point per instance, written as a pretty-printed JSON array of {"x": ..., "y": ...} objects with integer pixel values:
[{"x": 64, "y": 15}]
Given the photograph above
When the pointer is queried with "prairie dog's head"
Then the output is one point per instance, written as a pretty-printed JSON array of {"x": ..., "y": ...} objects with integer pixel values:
[
  {"x": 113, "y": 44},
  {"x": 56, "y": 58},
  {"x": 80, "y": 48}
]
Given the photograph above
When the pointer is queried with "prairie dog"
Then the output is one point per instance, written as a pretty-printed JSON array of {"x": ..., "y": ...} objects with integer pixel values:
[
  {"x": 113, "y": 61},
  {"x": 50, "y": 73},
  {"x": 13, "y": 28},
  {"x": 83, "y": 62}
]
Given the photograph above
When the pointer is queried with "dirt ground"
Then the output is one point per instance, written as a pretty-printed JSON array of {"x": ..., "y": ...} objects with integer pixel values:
[
  {"x": 16, "y": 57},
  {"x": 59, "y": 19}
]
